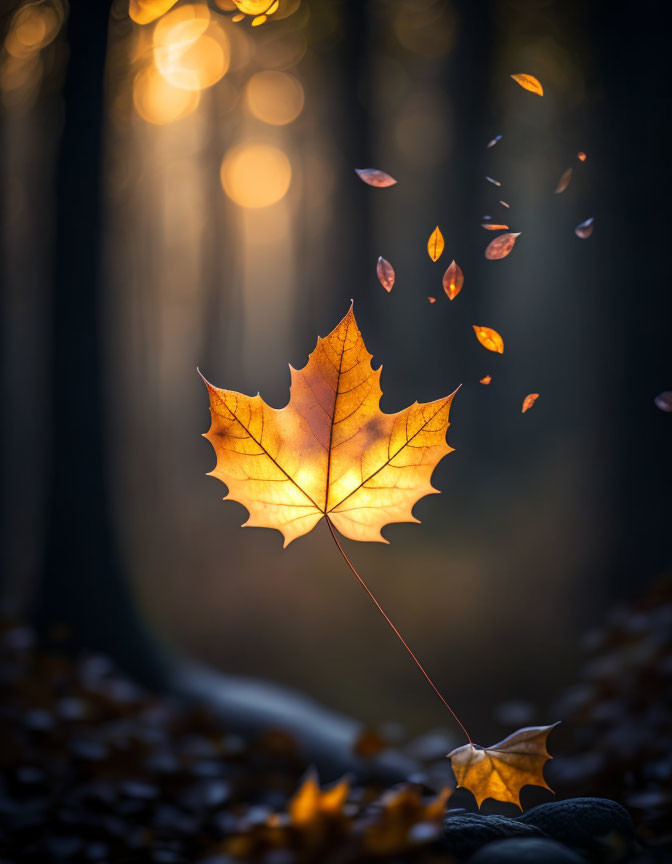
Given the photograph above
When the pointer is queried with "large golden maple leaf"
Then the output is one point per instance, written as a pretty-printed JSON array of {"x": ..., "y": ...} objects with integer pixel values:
[{"x": 330, "y": 452}]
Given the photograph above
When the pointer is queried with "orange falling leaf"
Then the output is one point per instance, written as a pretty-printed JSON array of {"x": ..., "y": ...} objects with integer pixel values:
[
  {"x": 375, "y": 177},
  {"x": 563, "y": 182},
  {"x": 529, "y": 82},
  {"x": 453, "y": 280},
  {"x": 432, "y": 299},
  {"x": 501, "y": 771},
  {"x": 310, "y": 803},
  {"x": 492, "y": 226},
  {"x": 501, "y": 246},
  {"x": 435, "y": 244},
  {"x": 486, "y": 380},
  {"x": 489, "y": 338},
  {"x": 385, "y": 273},
  {"x": 585, "y": 229},
  {"x": 581, "y": 156},
  {"x": 330, "y": 452},
  {"x": 529, "y": 401}
]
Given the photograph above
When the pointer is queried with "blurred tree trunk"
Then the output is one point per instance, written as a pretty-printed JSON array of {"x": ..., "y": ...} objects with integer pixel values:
[{"x": 83, "y": 585}]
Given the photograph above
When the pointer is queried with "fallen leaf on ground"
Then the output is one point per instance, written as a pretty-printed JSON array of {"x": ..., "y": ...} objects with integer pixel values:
[
  {"x": 453, "y": 280},
  {"x": 330, "y": 451},
  {"x": 529, "y": 82},
  {"x": 489, "y": 338},
  {"x": 585, "y": 229},
  {"x": 664, "y": 400},
  {"x": 486, "y": 380},
  {"x": 501, "y": 771},
  {"x": 501, "y": 246},
  {"x": 529, "y": 401},
  {"x": 310, "y": 802},
  {"x": 563, "y": 182},
  {"x": 374, "y": 177},
  {"x": 435, "y": 244},
  {"x": 385, "y": 273}
]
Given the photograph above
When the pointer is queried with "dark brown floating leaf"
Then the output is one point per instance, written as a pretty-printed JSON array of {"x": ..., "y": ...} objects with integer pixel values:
[
  {"x": 581, "y": 156},
  {"x": 491, "y": 180},
  {"x": 375, "y": 177},
  {"x": 563, "y": 182},
  {"x": 385, "y": 273},
  {"x": 501, "y": 246},
  {"x": 664, "y": 400},
  {"x": 453, "y": 279},
  {"x": 494, "y": 141},
  {"x": 585, "y": 229}
]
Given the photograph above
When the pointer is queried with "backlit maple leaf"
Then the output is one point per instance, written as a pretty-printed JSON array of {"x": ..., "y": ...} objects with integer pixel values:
[
  {"x": 502, "y": 770},
  {"x": 330, "y": 451}
]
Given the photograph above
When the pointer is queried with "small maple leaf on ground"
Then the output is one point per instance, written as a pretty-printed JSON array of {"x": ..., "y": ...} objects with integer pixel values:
[
  {"x": 330, "y": 452},
  {"x": 502, "y": 770}
]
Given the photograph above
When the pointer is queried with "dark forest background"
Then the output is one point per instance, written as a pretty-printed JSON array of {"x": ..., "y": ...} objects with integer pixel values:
[{"x": 125, "y": 265}]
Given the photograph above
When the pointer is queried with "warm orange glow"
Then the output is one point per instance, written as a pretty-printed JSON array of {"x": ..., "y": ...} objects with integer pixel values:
[
  {"x": 435, "y": 244},
  {"x": 274, "y": 97},
  {"x": 489, "y": 338},
  {"x": 157, "y": 101},
  {"x": 32, "y": 28},
  {"x": 330, "y": 451},
  {"x": 260, "y": 19},
  {"x": 501, "y": 771},
  {"x": 146, "y": 11},
  {"x": 255, "y": 175},
  {"x": 486, "y": 379},
  {"x": 255, "y": 7},
  {"x": 191, "y": 50},
  {"x": 581, "y": 157},
  {"x": 310, "y": 802}
]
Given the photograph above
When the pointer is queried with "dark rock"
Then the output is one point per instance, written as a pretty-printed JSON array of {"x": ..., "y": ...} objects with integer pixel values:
[
  {"x": 464, "y": 833},
  {"x": 584, "y": 823},
  {"x": 526, "y": 850}
]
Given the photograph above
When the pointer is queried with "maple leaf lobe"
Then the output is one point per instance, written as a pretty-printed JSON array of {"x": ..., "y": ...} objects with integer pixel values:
[{"x": 330, "y": 451}]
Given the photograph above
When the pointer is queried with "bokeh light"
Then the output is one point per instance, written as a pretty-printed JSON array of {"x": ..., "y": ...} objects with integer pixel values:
[
  {"x": 146, "y": 11},
  {"x": 255, "y": 175},
  {"x": 158, "y": 102},
  {"x": 32, "y": 28},
  {"x": 275, "y": 97},
  {"x": 191, "y": 50}
]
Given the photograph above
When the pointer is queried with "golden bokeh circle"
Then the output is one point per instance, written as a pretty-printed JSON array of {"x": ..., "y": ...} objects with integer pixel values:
[
  {"x": 276, "y": 98},
  {"x": 255, "y": 175}
]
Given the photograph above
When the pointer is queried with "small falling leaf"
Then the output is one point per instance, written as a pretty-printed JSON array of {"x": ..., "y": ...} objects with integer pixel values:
[
  {"x": 529, "y": 401},
  {"x": 435, "y": 244},
  {"x": 494, "y": 141},
  {"x": 489, "y": 339},
  {"x": 385, "y": 273},
  {"x": 501, "y": 246},
  {"x": 486, "y": 380},
  {"x": 585, "y": 229},
  {"x": 563, "y": 182},
  {"x": 374, "y": 177},
  {"x": 664, "y": 400},
  {"x": 493, "y": 181},
  {"x": 453, "y": 279},
  {"x": 581, "y": 156},
  {"x": 501, "y": 771},
  {"x": 432, "y": 299},
  {"x": 529, "y": 82},
  {"x": 504, "y": 204},
  {"x": 260, "y": 19},
  {"x": 493, "y": 226}
]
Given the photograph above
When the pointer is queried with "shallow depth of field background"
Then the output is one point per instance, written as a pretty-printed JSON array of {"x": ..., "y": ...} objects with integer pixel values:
[{"x": 235, "y": 231}]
